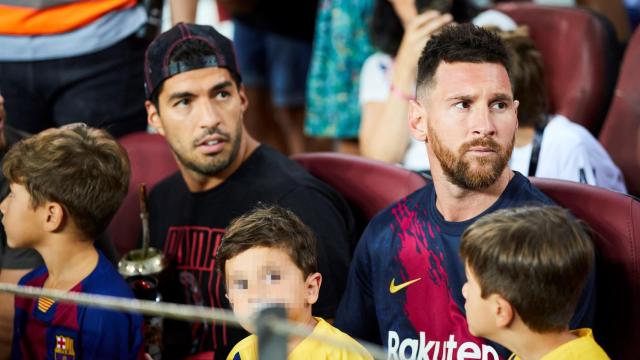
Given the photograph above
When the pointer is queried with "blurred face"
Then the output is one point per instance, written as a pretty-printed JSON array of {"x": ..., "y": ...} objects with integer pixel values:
[
  {"x": 470, "y": 119},
  {"x": 20, "y": 219},
  {"x": 259, "y": 277},
  {"x": 201, "y": 115},
  {"x": 479, "y": 311}
]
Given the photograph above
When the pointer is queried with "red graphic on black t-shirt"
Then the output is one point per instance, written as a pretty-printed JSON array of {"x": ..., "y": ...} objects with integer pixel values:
[{"x": 192, "y": 250}]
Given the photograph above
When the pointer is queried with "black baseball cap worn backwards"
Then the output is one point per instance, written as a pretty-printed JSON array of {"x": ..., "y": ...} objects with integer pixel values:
[{"x": 158, "y": 68}]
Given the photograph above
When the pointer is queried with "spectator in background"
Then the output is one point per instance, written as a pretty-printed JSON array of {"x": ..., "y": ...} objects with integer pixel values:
[
  {"x": 340, "y": 48},
  {"x": 547, "y": 145},
  {"x": 63, "y": 62},
  {"x": 399, "y": 31},
  {"x": 273, "y": 45}
]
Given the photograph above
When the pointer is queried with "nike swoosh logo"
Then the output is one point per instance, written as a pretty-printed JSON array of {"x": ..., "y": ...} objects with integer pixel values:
[{"x": 393, "y": 288}]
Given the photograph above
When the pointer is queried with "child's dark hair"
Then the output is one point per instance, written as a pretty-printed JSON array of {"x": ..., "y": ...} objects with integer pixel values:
[
  {"x": 538, "y": 258},
  {"x": 82, "y": 168},
  {"x": 272, "y": 227}
]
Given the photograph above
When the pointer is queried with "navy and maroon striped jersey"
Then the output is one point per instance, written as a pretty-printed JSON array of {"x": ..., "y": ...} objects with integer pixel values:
[{"x": 45, "y": 329}]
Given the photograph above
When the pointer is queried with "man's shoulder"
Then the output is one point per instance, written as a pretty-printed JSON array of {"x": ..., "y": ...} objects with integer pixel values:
[
  {"x": 168, "y": 183},
  {"x": 522, "y": 192}
]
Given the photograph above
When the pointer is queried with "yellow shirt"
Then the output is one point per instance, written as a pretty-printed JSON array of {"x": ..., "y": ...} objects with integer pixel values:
[
  {"x": 582, "y": 348},
  {"x": 311, "y": 349}
]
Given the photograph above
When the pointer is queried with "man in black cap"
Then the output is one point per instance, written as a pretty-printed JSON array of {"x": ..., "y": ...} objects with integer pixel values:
[{"x": 196, "y": 101}]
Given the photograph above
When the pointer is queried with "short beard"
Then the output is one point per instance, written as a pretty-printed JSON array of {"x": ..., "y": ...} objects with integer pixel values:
[
  {"x": 458, "y": 170},
  {"x": 217, "y": 164}
]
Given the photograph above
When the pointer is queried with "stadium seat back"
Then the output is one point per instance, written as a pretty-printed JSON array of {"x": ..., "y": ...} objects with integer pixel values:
[
  {"x": 151, "y": 161},
  {"x": 621, "y": 131},
  {"x": 578, "y": 55}
]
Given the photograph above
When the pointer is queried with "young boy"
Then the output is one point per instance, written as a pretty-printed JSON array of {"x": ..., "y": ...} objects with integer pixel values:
[
  {"x": 66, "y": 184},
  {"x": 267, "y": 257},
  {"x": 526, "y": 268}
]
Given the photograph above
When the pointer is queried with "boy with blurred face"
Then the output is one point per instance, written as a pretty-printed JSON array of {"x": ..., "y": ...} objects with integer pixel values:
[
  {"x": 404, "y": 282},
  {"x": 196, "y": 100},
  {"x": 267, "y": 258},
  {"x": 525, "y": 270}
]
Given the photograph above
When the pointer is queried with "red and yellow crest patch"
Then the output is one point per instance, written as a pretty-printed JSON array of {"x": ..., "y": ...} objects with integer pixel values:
[{"x": 64, "y": 348}]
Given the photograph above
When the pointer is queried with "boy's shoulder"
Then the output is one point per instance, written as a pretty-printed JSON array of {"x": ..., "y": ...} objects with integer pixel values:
[
  {"x": 246, "y": 349},
  {"x": 35, "y": 277},
  {"x": 326, "y": 351},
  {"x": 105, "y": 280}
]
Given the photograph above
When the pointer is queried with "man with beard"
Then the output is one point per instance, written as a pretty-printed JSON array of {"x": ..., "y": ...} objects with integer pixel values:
[
  {"x": 405, "y": 280},
  {"x": 196, "y": 101}
]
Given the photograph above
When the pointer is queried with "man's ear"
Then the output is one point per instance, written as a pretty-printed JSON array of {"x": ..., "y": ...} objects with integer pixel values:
[
  {"x": 503, "y": 310},
  {"x": 244, "y": 100},
  {"x": 417, "y": 117},
  {"x": 516, "y": 104},
  {"x": 312, "y": 285},
  {"x": 54, "y": 216},
  {"x": 153, "y": 117}
]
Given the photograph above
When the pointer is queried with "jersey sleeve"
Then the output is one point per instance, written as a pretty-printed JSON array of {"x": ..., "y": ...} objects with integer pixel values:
[
  {"x": 111, "y": 335},
  {"x": 356, "y": 314},
  {"x": 334, "y": 233}
]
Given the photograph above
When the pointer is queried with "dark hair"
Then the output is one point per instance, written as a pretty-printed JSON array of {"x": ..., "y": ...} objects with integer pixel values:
[
  {"x": 538, "y": 258},
  {"x": 272, "y": 227},
  {"x": 82, "y": 168},
  {"x": 527, "y": 77},
  {"x": 460, "y": 43},
  {"x": 191, "y": 51},
  {"x": 386, "y": 29}
]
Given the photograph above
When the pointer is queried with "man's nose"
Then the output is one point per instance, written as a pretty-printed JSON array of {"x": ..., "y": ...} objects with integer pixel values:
[{"x": 482, "y": 122}]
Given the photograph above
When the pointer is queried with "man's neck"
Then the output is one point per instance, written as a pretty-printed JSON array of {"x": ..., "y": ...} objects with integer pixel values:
[
  {"x": 68, "y": 259},
  {"x": 458, "y": 204},
  {"x": 529, "y": 345},
  {"x": 198, "y": 182}
]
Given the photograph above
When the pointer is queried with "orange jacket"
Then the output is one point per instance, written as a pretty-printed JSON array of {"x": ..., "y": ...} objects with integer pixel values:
[{"x": 45, "y": 17}]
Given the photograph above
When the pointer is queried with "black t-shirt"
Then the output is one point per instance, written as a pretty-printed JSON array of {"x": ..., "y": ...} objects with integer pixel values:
[
  {"x": 292, "y": 18},
  {"x": 189, "y": 227}
]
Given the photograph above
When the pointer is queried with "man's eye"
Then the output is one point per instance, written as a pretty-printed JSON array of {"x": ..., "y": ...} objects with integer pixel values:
[
  {"x": 462, "y": 105},
  {"x": 222, "y": 95},
  {"x": 499, "y": 105},
  {"x": 273, "y": 278},
  {"x": 182, "y": 102},
  {"x": 240, "y": 284}
]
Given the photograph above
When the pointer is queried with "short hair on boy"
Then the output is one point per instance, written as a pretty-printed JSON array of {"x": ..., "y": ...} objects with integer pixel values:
[
  {"x": 270, "y": 226},
  {"x": 83, "y": 169},
  {"x": 538, "y": 258},
  {"x": 527, "y": 76},
  {"x": 460, "y": 43}
]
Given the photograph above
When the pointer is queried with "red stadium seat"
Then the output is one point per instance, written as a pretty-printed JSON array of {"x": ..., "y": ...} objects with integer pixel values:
[
  {"x": 151, "y": 161},
  {"x": 614, "y": 217},
  {"x": 578, "y": 56},
  {"x": 368, "y": 185},
  {"x": 621, "y": 131}
]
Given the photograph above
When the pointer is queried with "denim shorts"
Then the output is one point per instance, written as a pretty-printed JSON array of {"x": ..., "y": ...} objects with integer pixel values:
[{"x": 274, "y": 61}]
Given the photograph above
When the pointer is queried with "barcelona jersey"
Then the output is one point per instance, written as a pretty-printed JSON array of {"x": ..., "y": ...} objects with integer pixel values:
[
  {"x": 405, "y": 281},
  {"x": 46, "y": 329}
]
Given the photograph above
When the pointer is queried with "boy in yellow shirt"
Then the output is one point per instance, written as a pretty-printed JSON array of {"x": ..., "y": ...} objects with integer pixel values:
[
  {"x": 526, "y": 268},
  {"x": 268, "y": 256}
]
